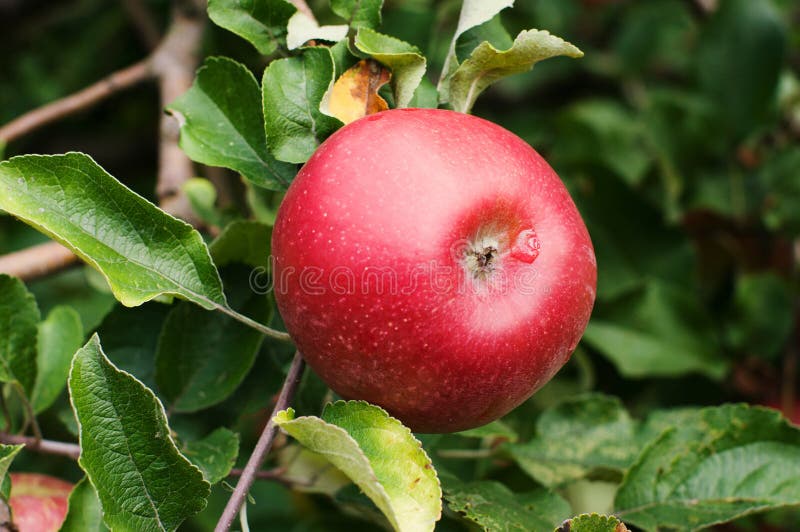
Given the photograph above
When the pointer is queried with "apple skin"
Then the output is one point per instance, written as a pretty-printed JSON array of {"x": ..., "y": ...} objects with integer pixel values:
[
  {"x": 38, "y": 502},
  {"x": 489, "y": 272}
]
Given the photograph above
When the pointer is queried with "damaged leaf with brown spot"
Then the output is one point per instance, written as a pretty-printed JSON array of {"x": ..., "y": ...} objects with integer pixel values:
[{"x": 355, "y": 93}]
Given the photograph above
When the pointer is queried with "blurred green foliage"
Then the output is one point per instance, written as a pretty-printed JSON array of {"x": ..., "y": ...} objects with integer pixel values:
[{"x": 678, "y": 135}]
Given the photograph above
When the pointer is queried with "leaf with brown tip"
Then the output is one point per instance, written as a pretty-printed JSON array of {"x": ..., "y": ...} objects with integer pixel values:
[{"x": 355, "y": 93}]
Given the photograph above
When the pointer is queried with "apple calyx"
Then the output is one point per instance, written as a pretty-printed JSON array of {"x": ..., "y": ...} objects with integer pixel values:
[{"x": 485, "y": 253}]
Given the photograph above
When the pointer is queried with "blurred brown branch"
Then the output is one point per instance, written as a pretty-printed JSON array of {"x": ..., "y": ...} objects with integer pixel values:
[
  {"x": 83, "y": 99},
  {"x": 172, "y": 64}
]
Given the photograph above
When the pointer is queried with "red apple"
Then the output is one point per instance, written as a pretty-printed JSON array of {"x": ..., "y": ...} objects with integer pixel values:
[
  {"x": 432, "y": 263},
  {"x": 38, "y": 502}
]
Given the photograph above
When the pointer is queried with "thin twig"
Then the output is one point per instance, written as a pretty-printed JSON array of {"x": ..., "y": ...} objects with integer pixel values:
[
  {"x": 83, "y": 99},
  {"x": 144, "y": 22},
  {"x": 262, "y": 446},
  {"x": 37, "y": 261},
  {"x": 70, "y": 450}
]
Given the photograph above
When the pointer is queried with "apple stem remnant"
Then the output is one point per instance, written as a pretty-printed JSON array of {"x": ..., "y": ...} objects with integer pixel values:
[
  {"x": 482, "y": 255},
  {"x": 262, "y": 447}
]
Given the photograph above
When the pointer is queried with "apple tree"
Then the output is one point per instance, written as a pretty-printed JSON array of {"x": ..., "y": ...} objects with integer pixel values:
[{"x": 260, "y": 180}]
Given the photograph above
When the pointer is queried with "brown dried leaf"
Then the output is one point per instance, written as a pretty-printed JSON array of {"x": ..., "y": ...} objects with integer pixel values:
[{"x": 355, "y": 93}]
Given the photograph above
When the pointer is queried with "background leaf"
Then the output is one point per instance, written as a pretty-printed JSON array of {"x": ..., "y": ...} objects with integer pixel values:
[
  {"x": 359, "y": 13},
  {"x": 19, "y": 317},
  {"x": 60, "y": 335},
  {"x": 203, "y": 356},
  {"x": 215, "y": 454},
  {"x": 142, "y": 251},
  {"x": 142, "y": 480},
  {"x": 131, "y": 337},
  {"x": 84, "y": 513},
  {"x": 659, "y": 330},
  {"x": 579, "y": 436},
  {"x": 743, "y": 45},
  {"x": 260, "y": 22},
  {"x": 714, "y": 465},
  {"x": 222, "y": 124},
  {"x": 493, "y": 506},
  {"x": 243, "y": 241}
]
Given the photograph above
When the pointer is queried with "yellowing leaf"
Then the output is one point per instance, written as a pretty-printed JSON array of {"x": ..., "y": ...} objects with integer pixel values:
[{"x": 355, "y": 93}]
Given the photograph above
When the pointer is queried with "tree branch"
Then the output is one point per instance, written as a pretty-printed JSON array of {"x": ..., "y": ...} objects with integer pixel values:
[
  {"x": 173, "y": 64},
  {"x": 83, "y": 99},
  {"x": 36, "y": 262},
  {"x": 70, "y": 450},
  {"x": 262, "y": 447}
]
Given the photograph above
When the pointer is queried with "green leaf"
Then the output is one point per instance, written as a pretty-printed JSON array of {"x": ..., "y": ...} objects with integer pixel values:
[
  {"x": 426, "y": 96},
  {"x": 127, "y": 451},
  {"x": 761, "y": 318},
  {"x": 658, "y": 331},
  {"x": 60, "y": 335},
  {"x": 7, "y": 454},
  {"x": 19, "y": 317},
  {"x": 473, "y": 13},
  {"x": 592, "y": 523},
  {"x": 292, "y": 90},
  {"x": 493, "y": 506},
  {"x": 782, "y": 204},
  {"x": 711, "y": 466},
  {"x": 379, "y": 454},
  {"x": 603, "y": 133},
  {"x": 743, "y": 46},
  {"x": 260, "y": 22},
  {"x": 404, "y": 60},
  {"x": 495, "y": 429},
  {"x": 579, "y": 436},
  {"x": 310, "y": 472},
  {"x": 131, "y": 337},
  {"x": 215, "y": 454},
  {"x": 222, "y": 124},
  {"x": 243, "y": 242},
  {"x": 491, "y": 31},
  {"x": 202, "y": 197},
  {"x": 590, "y": 496},
  {"x": 359, "y": 13},
  {"x": 487, "y": 64},
  {"x": 84, "y": 513},
  {"x": 303, "y": 28},
  {"x": 203, "y": 356},
  {"x": 142, "y": 251}
]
